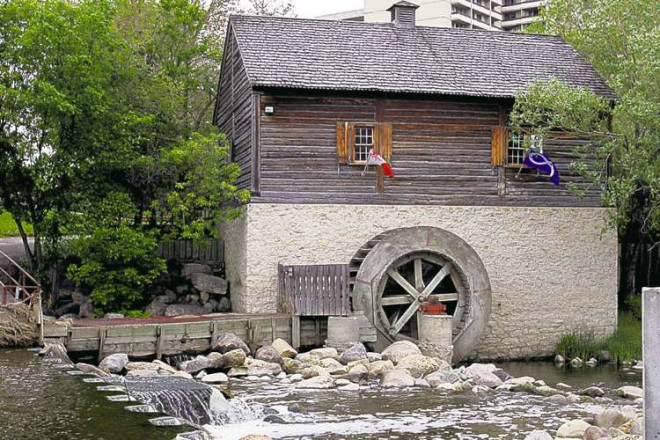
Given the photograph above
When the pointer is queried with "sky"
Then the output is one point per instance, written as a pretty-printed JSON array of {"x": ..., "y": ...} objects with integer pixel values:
[{"x": 314, "y": 8}]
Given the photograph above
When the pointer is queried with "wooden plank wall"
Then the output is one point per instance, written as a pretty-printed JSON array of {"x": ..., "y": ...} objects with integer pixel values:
[
  {"x": 441, "y": 155},
  {"x": 234, "y": 113},
  {"x": 209, "y": 251},
  {"x": 315, "y": 290},
  {"x": 145, "y": 340}
]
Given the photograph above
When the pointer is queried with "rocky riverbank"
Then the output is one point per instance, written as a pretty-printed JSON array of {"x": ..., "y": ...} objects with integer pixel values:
[{"x": 615, "y": 413}]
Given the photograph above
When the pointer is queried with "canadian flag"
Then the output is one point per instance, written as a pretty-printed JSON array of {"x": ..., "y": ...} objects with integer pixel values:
[{"x": 377, "y": 159}]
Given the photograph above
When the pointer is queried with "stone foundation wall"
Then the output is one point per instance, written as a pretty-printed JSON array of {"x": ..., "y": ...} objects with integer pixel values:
[{"x": 552, "y": 270}]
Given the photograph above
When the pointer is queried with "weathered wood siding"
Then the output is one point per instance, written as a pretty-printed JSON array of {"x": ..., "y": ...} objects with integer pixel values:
[
  {"x": 234, "y": 113},
  {"x": 441, "y": 154}
]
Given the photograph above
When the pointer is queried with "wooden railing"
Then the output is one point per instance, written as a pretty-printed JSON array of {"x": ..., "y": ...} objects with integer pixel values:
[
  {"x": 208, "y": 251},
  {"x": 16, "y": 284}
]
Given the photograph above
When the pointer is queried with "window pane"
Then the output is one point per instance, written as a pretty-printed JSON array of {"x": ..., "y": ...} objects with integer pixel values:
[{"x": 364, "y": 142}]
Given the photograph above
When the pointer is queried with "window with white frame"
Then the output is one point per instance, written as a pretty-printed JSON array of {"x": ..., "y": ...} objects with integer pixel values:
[
  {"x": 363, "y": 143},
  {"x": 515, "y": 153}
]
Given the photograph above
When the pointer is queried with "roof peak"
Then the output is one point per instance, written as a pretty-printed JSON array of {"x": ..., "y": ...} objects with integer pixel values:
[{"x": 403, "y": 4}]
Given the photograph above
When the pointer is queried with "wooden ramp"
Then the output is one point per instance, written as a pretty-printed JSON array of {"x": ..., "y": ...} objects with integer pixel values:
[{"x": 157, "y": 337}]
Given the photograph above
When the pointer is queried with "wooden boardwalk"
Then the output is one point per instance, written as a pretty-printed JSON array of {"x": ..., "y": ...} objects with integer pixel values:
[{"x": 158, "y": 337}]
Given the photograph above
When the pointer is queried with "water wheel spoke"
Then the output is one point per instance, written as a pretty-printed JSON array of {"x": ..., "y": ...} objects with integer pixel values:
[
  {"x": 437, "y": 279},
  {"x": 398, "y": 325},
  {"x": 396, "y": 300},
  {"x": 396, "y": 276},
  {"x": 419, "y": 278},
  {"x": 445, "y": 297}
]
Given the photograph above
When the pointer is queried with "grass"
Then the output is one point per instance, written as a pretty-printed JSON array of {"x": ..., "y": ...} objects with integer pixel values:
[
  {"x": 8, "y": 226},
  {"x": 624, "y": 345}
]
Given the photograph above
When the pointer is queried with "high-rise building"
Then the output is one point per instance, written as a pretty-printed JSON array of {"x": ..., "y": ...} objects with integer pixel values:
[{"x": 508, "y": 15}]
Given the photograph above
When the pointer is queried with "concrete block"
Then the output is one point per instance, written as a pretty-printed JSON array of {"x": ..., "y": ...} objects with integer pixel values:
[
  {"x": 651, "y": 342},
  {"x": 436, "y": 337},
  {"x": 343, "y": 332}
]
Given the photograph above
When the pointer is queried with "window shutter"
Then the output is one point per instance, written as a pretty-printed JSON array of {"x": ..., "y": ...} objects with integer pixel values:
[
  {"x": 499, "y": 146},
  {"x": 385, "y": 141},
  {"x": 342, "y": 142}
]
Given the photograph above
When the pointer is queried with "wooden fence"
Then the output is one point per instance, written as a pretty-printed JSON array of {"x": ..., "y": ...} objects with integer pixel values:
[
  {"x": 320, "y": 290},
  {"x": 186, "y": 251}
]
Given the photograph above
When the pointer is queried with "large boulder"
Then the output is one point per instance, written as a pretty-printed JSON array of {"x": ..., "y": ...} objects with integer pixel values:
[
  {"x": 218, "y": 359},
  {"x": 283, "y": 348},
  {"x": 141, "y": 366},
  {"x": 322, "y": 353},
  {"x": 427, "y": 364},
  {"x": 594, "y": 433},
  {"x": 234, "y": 358},
  {"x": 321, "y": 382},
  {"x": 224, "y": 305},
  {"x": 379, "y": 368},
  {"x": 573, "y": 429},
  {"x": 399, "y": 350},
  {"x": 592, "y": 392},
  {"x": 355, "y": 353},
  {"x": 611, "y": 418},
  {"x": 91, "y": 369},
  {"x": 313, "y": 371},
  {"x": 159, "y": 304},
  {"x": 356, "y": 374},
  {"x": 630, "y": 392},
  {"x": 215, "y": 378},
  {"x": 209, "y": 283},
  {"x": 443, "y": 376},
  {"x": 184, "y": 309},
  {"x": 268, "y": 354},
  {"x": 261, "y": 368},
  {"x": 538, "y": 435},
  {"x": 230, "y": 342},
  {"x": 397, "y": 379},
  {"x": 190, "y": 269},
  {"x": 291, "y": 366},
  {"x": 114, "y": 363},
  {"x": 196, "y": 365},
  {"x": 517, "y": 383}
]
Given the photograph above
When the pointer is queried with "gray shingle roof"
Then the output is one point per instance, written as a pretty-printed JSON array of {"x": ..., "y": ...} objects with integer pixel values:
[{"x": 354, "y": 56}]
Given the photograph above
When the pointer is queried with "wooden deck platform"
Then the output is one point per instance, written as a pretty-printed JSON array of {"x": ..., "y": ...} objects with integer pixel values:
[{"x": 158, "y": 337}]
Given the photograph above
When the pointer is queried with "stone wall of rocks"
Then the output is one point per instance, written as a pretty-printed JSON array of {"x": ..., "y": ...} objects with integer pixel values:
[{"x": 552, "y": 270}]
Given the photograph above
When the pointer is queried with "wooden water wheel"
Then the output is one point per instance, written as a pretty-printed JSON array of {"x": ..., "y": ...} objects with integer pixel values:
[
  {"x": 412, "y": 281},
  {"x": 407, "y": 267}
]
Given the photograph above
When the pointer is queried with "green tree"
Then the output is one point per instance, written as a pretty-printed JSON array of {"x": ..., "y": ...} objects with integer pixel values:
[
  {"x": 108, "y": 103},
  {"x": 621, "y": 39}
]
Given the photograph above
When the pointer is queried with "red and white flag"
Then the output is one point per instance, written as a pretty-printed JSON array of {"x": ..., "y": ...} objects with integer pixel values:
[{"x": 377, "y": 160}]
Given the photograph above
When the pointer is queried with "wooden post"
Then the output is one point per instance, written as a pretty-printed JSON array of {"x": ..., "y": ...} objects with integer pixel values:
[
  {"x": 295, "y": 332},
  {"x": 651, "y": 343},
  {"x": 102, "y": 332},
  {"x": 159, "y": 342}
]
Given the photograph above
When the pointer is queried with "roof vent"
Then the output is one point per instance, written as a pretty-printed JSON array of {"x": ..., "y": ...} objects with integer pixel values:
[{"x": 403, "y": 14}]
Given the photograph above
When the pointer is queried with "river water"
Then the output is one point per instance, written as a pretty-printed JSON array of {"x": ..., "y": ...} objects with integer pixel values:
[{"x": 40, "y": 401}]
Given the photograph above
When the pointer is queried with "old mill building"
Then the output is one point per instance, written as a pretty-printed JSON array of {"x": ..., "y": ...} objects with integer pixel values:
[{"x": 517, "y": 260}]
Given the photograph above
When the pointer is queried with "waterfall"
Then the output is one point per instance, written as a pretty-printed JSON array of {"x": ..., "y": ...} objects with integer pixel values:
[{"x": 198, "y": 403}]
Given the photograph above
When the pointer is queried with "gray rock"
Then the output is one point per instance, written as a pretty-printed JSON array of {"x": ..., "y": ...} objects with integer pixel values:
[
  {"x": 557, "y": 399},
  {"x": 209, "y": 283},
  {"x": 196, "y": 365},
  {"x": 268, "y": 354},
  {"x": 260, "y": 368},
  {"x": 422, "y": 383},
  {"x": 440, "y": 377},
  {"x": 224, "y": 305},
  {"x": 91, "y": 369},
  {"x": 234, "y": 358},
  {"x": 142, "y": 373},
  {"x": 604, "y": 356},
  {"x": 594, "y": 433},
  {"x": 610, "y": 418},
  {"x": 159, "y": 304},
  {"x": 355, "y": 353},
  {"x": 559, "y": 359},
  {"x": 426, "y": 364},
  {"x": 322, "y": 382},
  {"x": 637, "y": 427},
  {"x": 592, "y": 392},
  {"x": 373, "y": 357},
  {"x": 284, "y": 349},
  {"x": 357, "y": 373},
  {"x": 114, "y": 363},
  {"x": 538, "y": 435},
  {"x": 113, "y": 316},
  {"x": 230, "y": 342},
  {"x": 573, "y": 429},
  {"x": 238, "y": 372},
  {"x": 503, "y": 375},
  {"x": 204, "y": 298},
  {"x": 211, "y": 306},
  {"x": 630, "y": 392},
  {"x": 86, "y": 309},
  {"x": 274, "y": 419},
  {"x": 399, "y": 350},
  {"x": 215, "y": 378},
  {"x": 397, "y": 379},
  {"x": 322, "y": 353},
  {"x": 183, "y": 309},
  {"x": 192, "y": 268},
  {"x": 135, "y": 366},
  {"x": 291, "y": 366}
]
